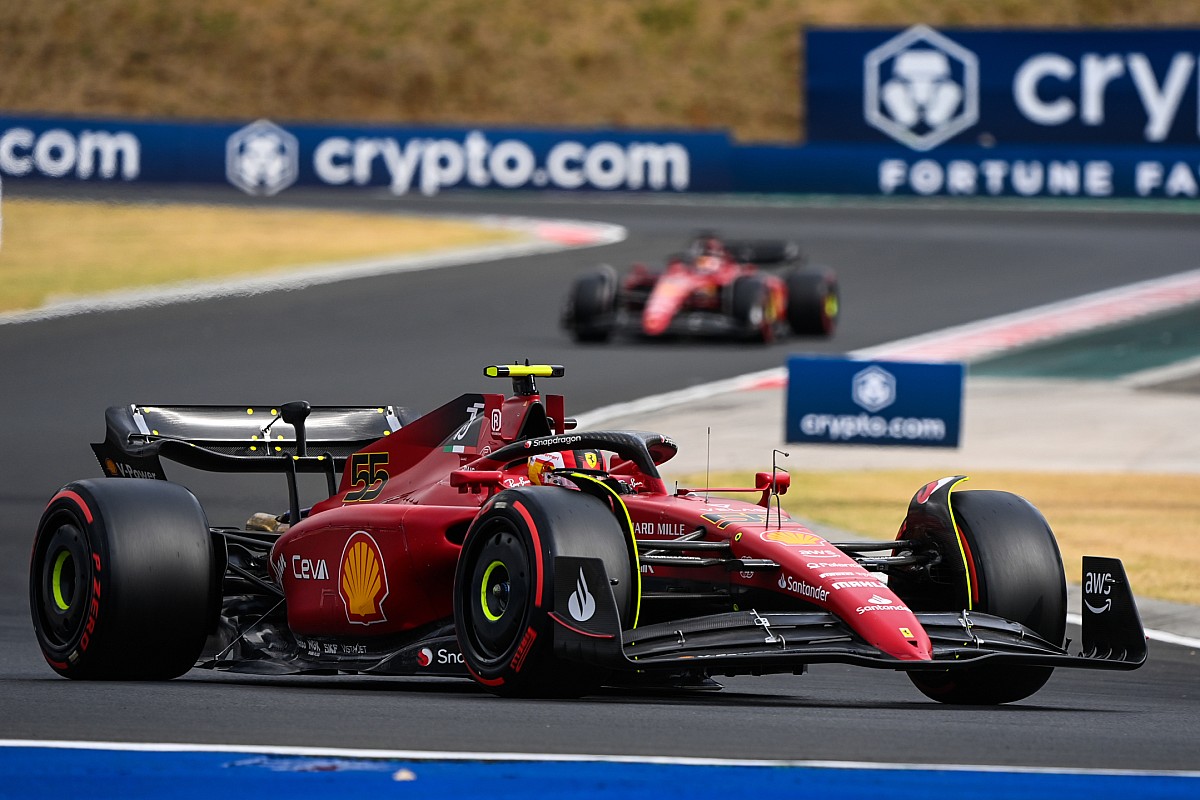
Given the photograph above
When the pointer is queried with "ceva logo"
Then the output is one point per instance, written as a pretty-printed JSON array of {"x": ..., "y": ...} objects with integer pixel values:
[
  {"x": 262, "y": 158},
  {"x": 874, "y": 388},
  {"x": 921, "y": 88}
]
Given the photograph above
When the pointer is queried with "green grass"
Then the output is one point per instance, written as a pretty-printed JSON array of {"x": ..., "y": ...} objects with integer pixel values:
[
  {"x": 59, "y": 250},
  {"x": 725, "y": 64}
]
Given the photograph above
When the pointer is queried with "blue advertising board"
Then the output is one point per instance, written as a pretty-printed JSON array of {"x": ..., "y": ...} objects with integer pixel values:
[
  {"x": 265, "y": 158},
  {"x": 849, "y": 401},
  {"x": 923, "y": 88}
]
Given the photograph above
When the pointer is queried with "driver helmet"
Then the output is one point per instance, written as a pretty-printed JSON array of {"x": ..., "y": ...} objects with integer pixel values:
[
  {"x": 539, "y": 465},
  {"x": 709, "y": 253}
]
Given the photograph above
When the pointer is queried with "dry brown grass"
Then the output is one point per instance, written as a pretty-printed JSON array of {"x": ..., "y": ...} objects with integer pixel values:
[
  {"x": 53, "y": 250},
  {"x": 1151, "y": 522},
  {"x": 725, "y": 64}
]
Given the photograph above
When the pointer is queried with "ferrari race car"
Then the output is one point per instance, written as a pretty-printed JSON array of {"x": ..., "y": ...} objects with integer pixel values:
[
  {"x": 716, "y": 288},
  {"x": 491, "y": 540}
]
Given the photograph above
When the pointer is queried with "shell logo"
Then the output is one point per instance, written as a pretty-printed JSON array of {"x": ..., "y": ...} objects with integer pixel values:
[
  {"x": 792, "y": 538},
  {"x": 364, "y": 584}
]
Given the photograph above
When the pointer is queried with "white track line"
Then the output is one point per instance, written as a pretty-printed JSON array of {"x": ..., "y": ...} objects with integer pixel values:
[{"x": 439, "y": 755}]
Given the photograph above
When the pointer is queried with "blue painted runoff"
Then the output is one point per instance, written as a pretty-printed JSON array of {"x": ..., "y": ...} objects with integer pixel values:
[{"x": 37, "y": 772}]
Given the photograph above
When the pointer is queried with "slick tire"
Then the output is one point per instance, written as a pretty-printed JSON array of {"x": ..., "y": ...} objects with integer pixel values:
[
  {"x": 813, "y": 301},
  {"x": 121, "y": 581},
  {"x": 504, "y": 588},
  {"x": 592, "y": 306},
  {"x": 1018, "y": 574},
  {"x": 752, "y": 310}
]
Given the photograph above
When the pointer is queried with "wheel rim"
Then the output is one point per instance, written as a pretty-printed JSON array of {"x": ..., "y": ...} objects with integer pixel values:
[
  {"x": 62, "y": 578},
  {"x": 498, "y": 590}
]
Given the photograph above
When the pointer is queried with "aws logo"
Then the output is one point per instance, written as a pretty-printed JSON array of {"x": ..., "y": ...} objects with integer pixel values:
[{"x": 364, "y": 584}]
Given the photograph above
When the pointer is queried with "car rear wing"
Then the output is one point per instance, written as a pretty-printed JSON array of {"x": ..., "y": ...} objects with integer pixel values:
[
  {"x": 293, "y": 437},
  {"x": 764, "y": 252}
]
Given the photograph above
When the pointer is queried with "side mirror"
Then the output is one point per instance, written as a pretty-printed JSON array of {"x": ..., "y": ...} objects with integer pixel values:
[{"x": 771, "y": 483}]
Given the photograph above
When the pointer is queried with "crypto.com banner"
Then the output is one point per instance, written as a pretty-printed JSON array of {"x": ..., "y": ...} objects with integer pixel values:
[
  {"x": 847, "y": 401},
  {"x": 923, "y": 88},
  {"x": 266, "y": 158}
]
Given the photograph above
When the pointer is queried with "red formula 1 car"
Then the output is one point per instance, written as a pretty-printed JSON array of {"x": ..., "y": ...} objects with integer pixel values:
[
  {"x": 715, "y": 288},
  {"x": 489, "y": 539}
]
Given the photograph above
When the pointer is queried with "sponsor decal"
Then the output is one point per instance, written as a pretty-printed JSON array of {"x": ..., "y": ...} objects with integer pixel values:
[
  {"x": 921, "y": 88},
  {"x": 792, "y": 538},
  {"x": 581, "y": 604},
  {"x": 262, "y": 158},
  {"x": 659, "y": 529},
  {"x": 523, "y": 648},
  {"x": 839, "y": 573},
  {"x": 305, "y": 569},
  {"x": 723, "y": 519},
  {"x": 824, "y": 551},
  {"x": 430, "y": 165},
  {"x": 790, "y": 584},
  {"x": 364, "y": 583},
  {"x": 424, "y": 657},
  {"x": 646, "y": 569},
  {"x": 869, "y": 584},
  {"x": 1096, "y": 584},
  {"x": 57, "y": 153},
  {"x": 874, "y": 388},
  {"x": 827, "y": 564},
  {"x": 93, "y": 612},
  {"x": 118, "y": 469},
  {"x": 880, "y": 604},
  {"x": 278, "y": 566}
]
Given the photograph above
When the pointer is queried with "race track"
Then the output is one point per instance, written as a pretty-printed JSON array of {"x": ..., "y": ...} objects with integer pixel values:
[{"x": 420, "y": 338}]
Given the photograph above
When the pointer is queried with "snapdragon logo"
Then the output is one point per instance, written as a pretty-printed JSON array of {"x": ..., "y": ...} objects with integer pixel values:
[
  {"x": 262, "y": 158},
  {"x": 430, "y": 165},
  {"x": 921, "y": 88}
]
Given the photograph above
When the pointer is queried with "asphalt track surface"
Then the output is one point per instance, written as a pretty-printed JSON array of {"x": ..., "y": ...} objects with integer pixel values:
[{"x": 421, "y": 338}]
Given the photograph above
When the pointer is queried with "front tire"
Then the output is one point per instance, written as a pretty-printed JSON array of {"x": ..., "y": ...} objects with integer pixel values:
[
  {"x": 753, "y": 309},
  {"x": 1012, "y": 558},
  {"x": 504, "y": 588},
  {"x": 591, "y": 309},
  {"x": 121, "y": 581}
]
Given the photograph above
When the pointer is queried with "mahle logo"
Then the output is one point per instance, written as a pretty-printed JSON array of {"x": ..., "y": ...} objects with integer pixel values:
[
  {"x": 921, "y": 88},
  {"x": 262, "y": 158},
  {"x": 874, "y": 388}
]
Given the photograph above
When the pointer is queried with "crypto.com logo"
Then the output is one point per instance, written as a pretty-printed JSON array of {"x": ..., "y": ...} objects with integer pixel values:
[
  {"x": 874, "y": 388},
  {"x": 921, "y": 88},
  {"x": 262, "y": 158}
]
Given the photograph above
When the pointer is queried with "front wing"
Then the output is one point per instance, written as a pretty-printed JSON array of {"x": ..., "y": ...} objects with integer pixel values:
[{"x": 749, "y": 642}]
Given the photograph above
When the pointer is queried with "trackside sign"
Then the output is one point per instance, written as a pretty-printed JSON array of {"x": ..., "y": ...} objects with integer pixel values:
[{"x": 847, "y": 401}]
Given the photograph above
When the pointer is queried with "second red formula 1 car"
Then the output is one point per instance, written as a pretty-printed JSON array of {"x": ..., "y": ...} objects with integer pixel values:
[
  {"x": 489, "y": 539},
  {"x": 715, "y": 288}
]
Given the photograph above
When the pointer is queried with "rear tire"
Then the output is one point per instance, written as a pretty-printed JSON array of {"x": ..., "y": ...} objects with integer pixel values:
[
  {"x": 504, "y": 588},
  {"x": 813, "y": 301},
  {"x": 591, "y": 309},
  {"x": 1019, "y": 575},
  {"x": 121, "y": 582}
]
